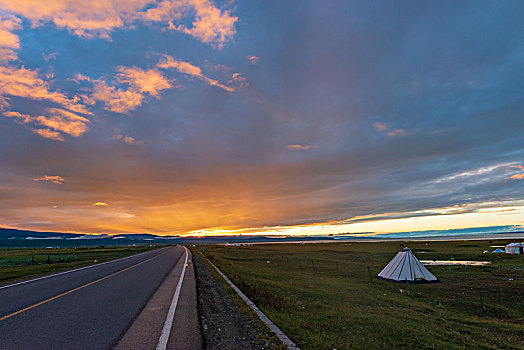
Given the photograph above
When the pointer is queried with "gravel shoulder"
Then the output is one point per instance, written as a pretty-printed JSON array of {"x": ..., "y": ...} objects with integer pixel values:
[{"x": 226, "y": 321}]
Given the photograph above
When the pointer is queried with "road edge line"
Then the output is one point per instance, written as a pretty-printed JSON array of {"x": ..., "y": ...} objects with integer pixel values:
[
  {"x": 273, "y": 327},
  {"x": 77, "y": 269},
  {"x": 166, "y": 330}
]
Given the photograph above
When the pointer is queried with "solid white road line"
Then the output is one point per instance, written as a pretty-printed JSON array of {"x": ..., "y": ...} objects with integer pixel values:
[
  {"x": 164, "y": 337},
  {"x": 69, "y": 271}
]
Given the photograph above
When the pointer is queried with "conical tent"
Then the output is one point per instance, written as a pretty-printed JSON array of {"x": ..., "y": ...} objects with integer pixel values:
[{"x": 405, "y": 267}]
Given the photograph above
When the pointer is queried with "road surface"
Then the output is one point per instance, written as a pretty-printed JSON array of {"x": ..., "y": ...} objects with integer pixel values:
[{"x": 128, "y": 303}]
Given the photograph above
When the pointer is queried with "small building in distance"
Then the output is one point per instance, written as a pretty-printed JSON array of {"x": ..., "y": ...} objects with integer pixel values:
[{"x": 514, "y": 248}]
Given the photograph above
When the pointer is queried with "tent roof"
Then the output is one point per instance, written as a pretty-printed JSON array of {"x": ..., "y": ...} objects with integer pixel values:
[{"x": 405, "y": 267}]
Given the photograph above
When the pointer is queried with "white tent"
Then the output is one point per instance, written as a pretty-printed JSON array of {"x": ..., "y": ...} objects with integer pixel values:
[
  {"x": 514, "y": 248},
  {"x": 405, "y": 267}
]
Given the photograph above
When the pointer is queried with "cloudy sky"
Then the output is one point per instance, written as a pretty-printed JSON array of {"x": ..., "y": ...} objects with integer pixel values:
[{"x": 300, "y": 117}]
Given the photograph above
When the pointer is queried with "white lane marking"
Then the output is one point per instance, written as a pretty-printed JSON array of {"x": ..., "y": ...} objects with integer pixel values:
[
  {"x": 164, "y": 337},
  {"x": 69, "y": 271}
]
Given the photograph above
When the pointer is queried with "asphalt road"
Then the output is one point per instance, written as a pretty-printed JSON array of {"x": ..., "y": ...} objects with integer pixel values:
[{"x": 86, "y": 309}]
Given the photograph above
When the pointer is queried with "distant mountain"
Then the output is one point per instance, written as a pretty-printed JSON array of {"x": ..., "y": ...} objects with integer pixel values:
[
  {"x": 8, "y": 233},
  {"x": 139, "y": 236},
  {"x": 70, "y": 238},
  {"x": 13, "y": 237}
]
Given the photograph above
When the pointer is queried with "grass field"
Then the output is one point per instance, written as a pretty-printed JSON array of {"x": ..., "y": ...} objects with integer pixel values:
[
  {"x": 24, "y": 263},
  {"x": 322, "y": 296}
]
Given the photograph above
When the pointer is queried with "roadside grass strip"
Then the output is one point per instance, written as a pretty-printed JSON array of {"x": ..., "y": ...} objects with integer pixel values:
[{"x": 278, "y": 332}]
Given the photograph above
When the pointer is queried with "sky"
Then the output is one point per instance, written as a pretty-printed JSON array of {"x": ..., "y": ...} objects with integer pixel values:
[{"x": 246, "y": 117}]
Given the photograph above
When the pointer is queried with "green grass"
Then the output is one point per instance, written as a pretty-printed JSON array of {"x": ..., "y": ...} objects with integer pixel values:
[
  {"x": 300, "y": 289},
  {"x": 26, "y": 263}
]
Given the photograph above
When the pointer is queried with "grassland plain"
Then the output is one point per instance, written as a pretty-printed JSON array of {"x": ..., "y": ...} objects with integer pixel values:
[
  {"x": 23, "y": 263},
  {"x": 325, "y": 296}
]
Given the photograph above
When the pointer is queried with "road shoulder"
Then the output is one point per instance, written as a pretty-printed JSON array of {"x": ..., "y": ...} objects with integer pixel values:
[
  {"x": 145, "y": 331},
  {"x": 226, "y": 321}
]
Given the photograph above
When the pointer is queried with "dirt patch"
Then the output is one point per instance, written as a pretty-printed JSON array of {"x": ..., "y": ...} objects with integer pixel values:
[{"x": 226, "y": 321}]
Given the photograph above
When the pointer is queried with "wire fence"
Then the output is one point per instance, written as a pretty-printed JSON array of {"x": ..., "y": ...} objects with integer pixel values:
[{"x": 37, "y": 259}]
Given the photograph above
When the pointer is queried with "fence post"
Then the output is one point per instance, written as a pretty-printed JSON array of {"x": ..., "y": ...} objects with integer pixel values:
[
  {"x": 483, "y": 306},
  {"x": 409, "y": 287}
]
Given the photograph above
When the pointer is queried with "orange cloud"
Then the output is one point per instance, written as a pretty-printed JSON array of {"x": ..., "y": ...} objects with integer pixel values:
[
  {"x": 517, "y": 176},
  {"x": 144, "y": 81},
  {"x": 165, "y": 11},
  {"x": 8, "y": 41},
  {"x": 217, "y": 84},
  {"x": 211, "y": 25},
  {"x": 128, "y": 139},
  {"x": 253, "y": 59},
  {"x": 83, "y": 18},
  {"x": 99, "y": 18},
  {"x": 25, "y": 118},
  {"x": 49, "y": 134},
  {"x": 396, "y": 132},
  {"x": 168, "y": 62},
  {"x": 380, "y": 126},
  {"x": 298, "y": 147},
  {"x": 117, "y": 100},
  {"x": 238, "y": 82},
  {"x": 25, "y": 83},
  {"x": 64, "y": 121},
  {"x": 51, "y": 178},
  {"x": 124, "y": 100},
  {"x": 57, "y": 123}
]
